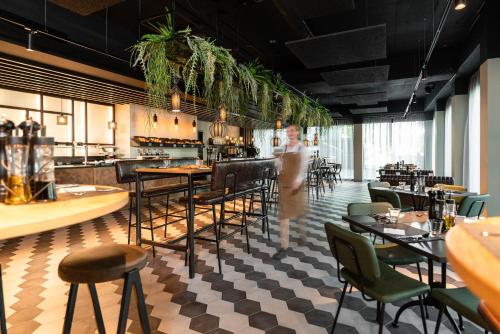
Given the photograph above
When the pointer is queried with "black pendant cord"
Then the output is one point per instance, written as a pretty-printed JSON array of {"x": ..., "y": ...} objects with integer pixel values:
[{"x": 106, "y": 32}]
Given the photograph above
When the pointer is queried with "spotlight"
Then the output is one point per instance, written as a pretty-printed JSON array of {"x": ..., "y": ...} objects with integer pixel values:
[
  {"x": 424, "y": 73},
  {"x": 30, "y": 41},
  {"x": 460, "y": 4}
]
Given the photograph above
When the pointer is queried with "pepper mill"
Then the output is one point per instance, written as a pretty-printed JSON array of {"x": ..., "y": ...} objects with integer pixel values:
[{"x": 30, "y": 130}]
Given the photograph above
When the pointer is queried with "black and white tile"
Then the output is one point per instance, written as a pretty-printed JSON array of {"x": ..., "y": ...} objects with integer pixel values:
[{"x": 255, "y": 294}]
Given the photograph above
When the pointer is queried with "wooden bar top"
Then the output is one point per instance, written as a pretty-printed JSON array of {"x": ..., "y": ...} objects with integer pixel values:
[
  {"x": 69, "y": 209},
  {"x": 176, "y": 170},
  {"x": 473, "y": 254}
]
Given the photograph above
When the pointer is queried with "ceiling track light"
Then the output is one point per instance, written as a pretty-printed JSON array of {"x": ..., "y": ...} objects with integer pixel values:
[
  {"x": 29, "y": 47},
  {"x": 424, "y": 73},
  {"x": 460, "y": 4}
]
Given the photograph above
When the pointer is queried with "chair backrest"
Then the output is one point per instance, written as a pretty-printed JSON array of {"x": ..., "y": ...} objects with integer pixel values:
[
  {"x": 246, "y": 172},
  {"x": 368, "y": 209},
  {"x": 450, "y": 187},
  {"x": 125, "y": 169},
  {"x": 339, "y": 168},
  {"x": 385, "y": 195},
  {"x": 355, "y": 252},
  {"x": 473, "y": 206},
  {"x": 378, "y": 184}
]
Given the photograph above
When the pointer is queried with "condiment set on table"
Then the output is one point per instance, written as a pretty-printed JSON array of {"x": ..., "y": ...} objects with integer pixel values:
[{"x": 26, "y": 163}]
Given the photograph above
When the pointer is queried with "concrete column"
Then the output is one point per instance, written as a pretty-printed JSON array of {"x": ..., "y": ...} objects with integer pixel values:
[
  {"x": 459, "y": 110},
  {"x": 490, "y": 133},
  {"x": 438, "y": 139},
  {"x": 428, "y": 158},
  {"x": 358, "y": 152}
]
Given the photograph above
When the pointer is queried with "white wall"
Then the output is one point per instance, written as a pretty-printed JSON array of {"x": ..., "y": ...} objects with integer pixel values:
[{"x": 459, "y": 110}]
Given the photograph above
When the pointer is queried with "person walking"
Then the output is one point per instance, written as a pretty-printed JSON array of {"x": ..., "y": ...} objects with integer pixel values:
[{"x": 292, "y": 166}]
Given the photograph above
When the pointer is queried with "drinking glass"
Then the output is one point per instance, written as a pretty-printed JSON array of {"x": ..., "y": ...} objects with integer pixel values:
[
  {"x": 436, "y": 227},
  {"x": 402, "y": 185},
  {"x": 394, "y": 215}
]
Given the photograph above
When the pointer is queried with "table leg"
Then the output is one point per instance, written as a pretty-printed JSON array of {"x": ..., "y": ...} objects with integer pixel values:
[
  {"x": 190, "y": 227},
  {"x": 138, "y": 215}
]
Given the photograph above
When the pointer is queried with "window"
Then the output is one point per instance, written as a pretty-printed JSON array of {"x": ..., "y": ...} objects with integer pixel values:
[
  {"x": 392, "y": 142},
  {"x": 472, "y": 157},
  {"x": 336, "y": 144},
  {"x": 448, "y": 125},
  {"x": 92, "y": 118}
]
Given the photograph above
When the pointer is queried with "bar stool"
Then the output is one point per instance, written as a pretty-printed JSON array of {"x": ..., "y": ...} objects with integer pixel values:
[
  {"x": 104, "y": 264},
  {"x": 3, "y": 322}
]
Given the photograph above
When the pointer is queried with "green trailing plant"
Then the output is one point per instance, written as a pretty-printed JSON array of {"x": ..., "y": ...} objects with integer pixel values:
[{"x": 211, "y": 72}]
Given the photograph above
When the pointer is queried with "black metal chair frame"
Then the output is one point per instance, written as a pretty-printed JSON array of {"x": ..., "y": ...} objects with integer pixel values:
[
  {"x": 3, "y": 321},
  {"x": 380, "y": 306},
  {"x": 131, "y": 277}
]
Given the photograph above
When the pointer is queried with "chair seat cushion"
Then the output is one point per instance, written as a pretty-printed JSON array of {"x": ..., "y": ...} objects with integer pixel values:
[
  {"x": 462, "y": 301},
  {"x": 392, "y": 286},
  {"x": 102, "y": 263},
  {"x": 397, "y": 256},
  {"x": 161, "y": 190}
]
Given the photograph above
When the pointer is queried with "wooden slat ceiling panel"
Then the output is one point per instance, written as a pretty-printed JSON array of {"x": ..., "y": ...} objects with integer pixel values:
[{"x": 22, "y": 76}]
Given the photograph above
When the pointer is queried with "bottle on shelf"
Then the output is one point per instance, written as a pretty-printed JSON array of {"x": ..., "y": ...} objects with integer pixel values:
[{"x": 6, "y": 128}]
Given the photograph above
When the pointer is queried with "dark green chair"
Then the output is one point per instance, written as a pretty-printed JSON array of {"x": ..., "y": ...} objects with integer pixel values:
[
  {"x": 374, "y": 279},
  {"x": 378, "y": 184},
  {"x": 387, "y": 195},
  {"x": 392, "y": 255},
  {"x": 462, "y": 301},
  {"x": 473, "y": 206}
]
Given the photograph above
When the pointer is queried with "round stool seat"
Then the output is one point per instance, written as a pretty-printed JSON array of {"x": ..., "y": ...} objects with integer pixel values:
[{"x": 102, "y": 263}]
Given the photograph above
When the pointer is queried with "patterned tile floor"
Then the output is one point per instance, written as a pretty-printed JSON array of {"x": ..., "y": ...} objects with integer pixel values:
[{"x": 255, "y": 294}]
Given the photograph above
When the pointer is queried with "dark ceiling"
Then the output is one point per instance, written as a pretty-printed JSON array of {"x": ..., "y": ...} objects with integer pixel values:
[{"x": 355, "y": 56}]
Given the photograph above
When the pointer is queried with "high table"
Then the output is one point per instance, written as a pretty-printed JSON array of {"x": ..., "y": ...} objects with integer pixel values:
[
  {"x": 71, "y": 208},
  {"x": 415, "y": 227},
  {"x": 474, "y": 253},
  {"x": 188, "y": 172}
]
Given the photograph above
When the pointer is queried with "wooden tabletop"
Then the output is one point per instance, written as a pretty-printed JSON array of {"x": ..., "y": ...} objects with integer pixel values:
[
  {"x": 69, "y": 209},
  {"x": 176, "y": 170},
  {"x": 473, "y": 254}
]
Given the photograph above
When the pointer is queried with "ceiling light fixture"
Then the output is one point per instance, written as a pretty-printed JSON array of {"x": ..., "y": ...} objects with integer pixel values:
[
  {"x": 62, "y": 119},
  {"x": 194, "y": 125},
  {"x": 155, "y": 120},
  {"x": 460, "y": 4},
  {"x": 278, "y": 124},
  {"x": 112, "y": 125},
  {"x": 176, "y": 123},
  {"x": 222, "y": 116},
  {"x": 176, "y": 100},
  {"x": 29, "y": 47},
  {"x": 424, "y": 73}
]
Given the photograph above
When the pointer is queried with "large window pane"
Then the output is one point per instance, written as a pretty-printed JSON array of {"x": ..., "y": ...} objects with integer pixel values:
[
  {"x": 61, "y": 133},
  {"x": 14, "y": 115},
  {"x": 447, "y": 139},
  {"x": 98, "y": 117},
  {"x": 79, "y": 120},
  {"x": 472, "y": 170},
  {"x": 336, "y": 144},
  {"x": 56, "y": 104},
  {"x": 19, "y": 99},
  {"x": 391, "y": 142}
]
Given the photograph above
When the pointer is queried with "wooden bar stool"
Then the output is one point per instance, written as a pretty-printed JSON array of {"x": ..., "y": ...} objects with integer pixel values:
[{"x": 104, "y": 264}]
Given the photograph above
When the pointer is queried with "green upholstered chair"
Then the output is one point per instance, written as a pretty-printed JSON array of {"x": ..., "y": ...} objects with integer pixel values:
[
  {"x": 387, "y": 195},
  {"x": 378, "y": 184},
  {"x": 391, "y": 254},
  {"x": 462, "y": 301},
  {"x": 472, "y": 206},
  {"x": 374, "y": 279}
]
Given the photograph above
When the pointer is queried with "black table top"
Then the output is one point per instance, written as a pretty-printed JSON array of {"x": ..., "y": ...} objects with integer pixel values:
[
  {"x": 453, "y": 193},
  {"x": 434, "y": 249}
]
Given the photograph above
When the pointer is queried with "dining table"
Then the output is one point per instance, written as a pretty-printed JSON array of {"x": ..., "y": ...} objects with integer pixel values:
[
  {"x": 190, "y": 172},
  {"x": 419, "y": 198},
  {"x": 411, "y": 232}
]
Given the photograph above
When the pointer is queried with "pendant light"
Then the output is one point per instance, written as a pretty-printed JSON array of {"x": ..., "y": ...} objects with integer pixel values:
[
  {"x": 460, "y": 4},
  {"x": 176, "y": 123},
  {"x": 306, "y": 142},
  {"x": 155, "y": 120},
  {"x": 278, "y": 124},
  {"x": 176, "y": 99},
  {"x": 62, "y": 119},
  {"x": 29, "y": 47},
  {"x": 112, "y": 125},
  {"x": 276, "y": 141},
  {"x": 217, "y": 129},
  {"x": 316, "y": 139},
  {"x": 222, "y": 113},
  {"x": 194, "y": 125}
]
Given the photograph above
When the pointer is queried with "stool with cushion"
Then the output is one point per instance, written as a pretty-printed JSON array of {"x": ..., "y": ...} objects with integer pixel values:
[
  {"x": 473, "y": 206},
  {"x": 104, "y": 264}
]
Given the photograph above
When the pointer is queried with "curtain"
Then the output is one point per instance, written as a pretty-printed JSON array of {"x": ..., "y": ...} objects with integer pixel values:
[
  {"x": 336, "y": 144},
  {"x": 391, "y": 142},
  {"x": 472, "y": 139},
  {"x": 447, "y": 139}
]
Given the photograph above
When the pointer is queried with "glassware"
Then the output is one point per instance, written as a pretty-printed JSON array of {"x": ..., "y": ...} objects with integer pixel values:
[
  {"x": 450, "y": 212},
  {"x": 402, "y": 185},
  {"x": 394, "y": 215},
  {"x": 6, "y": 128},
  {"x": 436, "y": 227},
  {"x": 18, "y": 188},
  {"x": 43, "y": 185}
]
